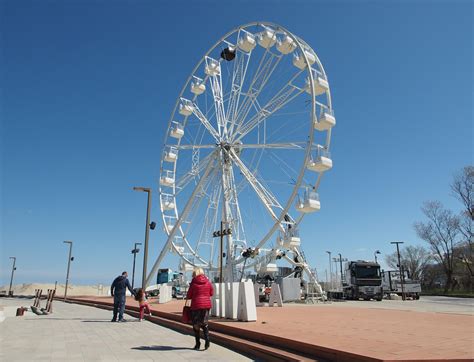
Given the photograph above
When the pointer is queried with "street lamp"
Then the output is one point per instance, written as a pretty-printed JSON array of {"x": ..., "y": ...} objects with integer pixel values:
[
  {"x": 134, "y": 252},
  {"x": 402, "y": 278},
  {"x": 220, "y": 234},
  {"x": 148, "y": 226},
  {"x": 68, "y": 266},
  {"x": 10, "y": 293},
  {"x": 330, "y": 270},
  {"x": 375, "y": 254}
]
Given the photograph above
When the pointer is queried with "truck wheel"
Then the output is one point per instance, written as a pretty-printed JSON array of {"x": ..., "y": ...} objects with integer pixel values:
[{"x": 379, "y": 299}]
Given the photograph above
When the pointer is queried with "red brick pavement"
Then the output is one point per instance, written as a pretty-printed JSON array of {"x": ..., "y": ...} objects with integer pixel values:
[{"x": 384, "y": 334}]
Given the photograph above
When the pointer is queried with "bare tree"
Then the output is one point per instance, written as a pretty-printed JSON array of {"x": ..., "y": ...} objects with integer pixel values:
[
  {"x": 463, "y": 189},
  {"x": 441, "y": 233},
  {"x": 414, "y": 259}
]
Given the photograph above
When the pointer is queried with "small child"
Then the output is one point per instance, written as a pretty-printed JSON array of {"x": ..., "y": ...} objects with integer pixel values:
[{"x": 140, "y": 297}]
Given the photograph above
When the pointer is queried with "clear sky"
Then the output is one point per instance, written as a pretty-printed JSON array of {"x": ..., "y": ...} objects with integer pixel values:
[{"x": 87, "y": 88}]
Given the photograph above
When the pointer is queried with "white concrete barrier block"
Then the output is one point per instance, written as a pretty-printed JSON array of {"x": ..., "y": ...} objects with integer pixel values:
[
  {"x": 257, "y": 287},
  {"x": 232, "y": 300},
  {"x": 222, "y": 300},
  {"x": 215, "y": 301},
  {"x": 275, "y": 296},
  {"x": 247, "y": 309}
]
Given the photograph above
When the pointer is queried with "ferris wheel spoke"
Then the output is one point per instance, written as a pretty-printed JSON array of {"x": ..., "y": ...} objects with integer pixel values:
[
  {"x": 287, "y": 146},
  {"x": 197, "y": 112},
  {"x": 266, "y": 197},
  {"x": 197, "y": 169},
  {"x": 217, "y": 93},
  {"x": 187, "y": 208},
  {"x": 193, "y": 147},
  {"x": 266, "y": 67},
  {"x": 238, "y": 77},
  {"x": 282, "y": 98}
]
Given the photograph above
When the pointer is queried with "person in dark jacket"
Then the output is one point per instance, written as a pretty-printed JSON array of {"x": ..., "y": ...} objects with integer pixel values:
[
  {"x": 118, "y": 290},
  {"x": 200, "y": 292}
]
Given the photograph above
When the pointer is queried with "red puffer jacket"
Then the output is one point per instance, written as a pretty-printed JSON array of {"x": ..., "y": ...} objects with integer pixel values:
[{"x": 200, "y": 292}]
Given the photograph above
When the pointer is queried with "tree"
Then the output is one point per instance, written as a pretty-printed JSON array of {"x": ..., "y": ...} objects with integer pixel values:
[
  {"x": 441, "y": 233},
  {"x": 414, "y": 259},
  {"x": 463, "y": 189}
]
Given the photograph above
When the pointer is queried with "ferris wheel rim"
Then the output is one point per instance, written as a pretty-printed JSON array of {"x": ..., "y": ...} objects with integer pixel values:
[{"x": 300, "y": 46}]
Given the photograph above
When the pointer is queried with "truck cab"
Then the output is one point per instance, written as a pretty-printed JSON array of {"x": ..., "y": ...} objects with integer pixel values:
[{"x": 362, "y": 280}]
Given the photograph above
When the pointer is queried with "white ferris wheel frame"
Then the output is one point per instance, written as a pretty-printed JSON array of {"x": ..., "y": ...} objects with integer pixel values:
[{"x": 264, "y": 195}]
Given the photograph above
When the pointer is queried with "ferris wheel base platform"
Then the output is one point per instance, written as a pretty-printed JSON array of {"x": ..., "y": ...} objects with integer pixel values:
[{"x": 328, "y": 332}]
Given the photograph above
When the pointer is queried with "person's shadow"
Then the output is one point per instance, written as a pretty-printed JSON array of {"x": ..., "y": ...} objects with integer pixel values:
[{"x": 158, "y": 348}]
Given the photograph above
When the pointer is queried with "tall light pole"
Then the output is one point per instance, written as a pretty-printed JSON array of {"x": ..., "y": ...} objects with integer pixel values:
[
  {"x": 375, "y": 254},
  {"x": 402, "y": 278},
  {"x": 342, "y": 275},
  {"x": 68, "y": 266},
  {"x": 147, "y": 231},
  {"x": 10, "y": 293},
  {"x": 134, "y": 252},
  {"x": 330, "y": 269}
]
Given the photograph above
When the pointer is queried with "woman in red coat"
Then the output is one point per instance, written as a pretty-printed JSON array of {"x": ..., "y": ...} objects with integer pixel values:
[{"x": 200, "y": 292}]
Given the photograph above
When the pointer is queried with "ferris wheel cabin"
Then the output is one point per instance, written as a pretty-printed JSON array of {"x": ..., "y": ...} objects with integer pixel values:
[
  {"x": 246, "y": 41},
  {"x": 167, "y": 201},
  {"x": 321, "y": 161},
  {"x": 186, "y": 107},
  {"x": 309, "y": 202},
  {"x": 300, "y": 62},
  {"x": 171, "y": 154},
  {"x": 177, "y": 130},
  {"x": 198, "y": 86},
  {"x": 267, "y": 38},
  {"x": 326, "y": 120},
  {"x": 285, "y": 45},
  {"x": 167, "y": 179}
]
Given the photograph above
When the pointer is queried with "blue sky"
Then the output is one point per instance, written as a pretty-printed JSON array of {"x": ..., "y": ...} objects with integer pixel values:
[{"x": 88, "y": 87}]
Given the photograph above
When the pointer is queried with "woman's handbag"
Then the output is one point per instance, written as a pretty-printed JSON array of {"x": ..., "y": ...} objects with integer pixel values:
[{"x": 186, "y": 317}]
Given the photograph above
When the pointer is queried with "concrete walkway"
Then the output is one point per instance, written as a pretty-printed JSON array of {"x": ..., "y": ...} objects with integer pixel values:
[{"x": 79, "y": 333}]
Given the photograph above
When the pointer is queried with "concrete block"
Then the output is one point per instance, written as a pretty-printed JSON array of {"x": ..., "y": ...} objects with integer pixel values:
[
  {"x": 275, "y": 296},
  {"x": 232, "y": 300},
  {"x": 247, "y": 309}
]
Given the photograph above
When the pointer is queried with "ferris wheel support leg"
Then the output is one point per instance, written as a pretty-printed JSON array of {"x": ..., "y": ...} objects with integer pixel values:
[{"x": 176, "y": 227}]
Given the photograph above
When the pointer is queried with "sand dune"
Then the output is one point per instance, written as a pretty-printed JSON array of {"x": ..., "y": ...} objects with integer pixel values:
[{"x": 72, "y": 290}]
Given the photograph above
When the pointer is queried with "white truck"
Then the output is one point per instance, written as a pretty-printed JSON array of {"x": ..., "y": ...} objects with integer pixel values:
[
  {"x": 362, "y": 279},
  {"x": 392, "y": 284}
]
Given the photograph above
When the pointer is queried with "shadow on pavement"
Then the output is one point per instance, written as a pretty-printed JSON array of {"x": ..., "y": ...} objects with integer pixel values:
[{"x": 159, "y": 348}]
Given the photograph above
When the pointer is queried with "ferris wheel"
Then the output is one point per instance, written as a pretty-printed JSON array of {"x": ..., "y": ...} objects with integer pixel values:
[{"x": 247, "y": 144}]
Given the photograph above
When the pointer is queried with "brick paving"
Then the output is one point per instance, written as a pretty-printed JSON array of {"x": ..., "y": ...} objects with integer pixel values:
[
  {"x": 80, "y": 333},
  {"x": 385, "y": 334}
]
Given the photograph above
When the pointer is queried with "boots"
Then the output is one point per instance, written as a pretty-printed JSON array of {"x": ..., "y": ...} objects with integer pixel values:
[
  {"x": 198, "y": 342},
  {"x": 206, "y": 337}
]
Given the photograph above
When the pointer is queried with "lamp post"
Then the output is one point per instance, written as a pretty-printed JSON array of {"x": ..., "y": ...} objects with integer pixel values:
[
  {"x": 70, "y": 258},
  {"x": 134, "y": 252},
  {"x": 330, "y": 269},
  {"x": 148, "y": 226},
  {"x": 375, "y": 254},
  {"x": 10, "y": 293},
  {"x": 402, "y": 278},
  {"x": 220, "y": 234}
]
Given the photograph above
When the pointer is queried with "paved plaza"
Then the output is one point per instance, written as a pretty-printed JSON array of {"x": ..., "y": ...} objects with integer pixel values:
[{"x": 80, "y": 333}]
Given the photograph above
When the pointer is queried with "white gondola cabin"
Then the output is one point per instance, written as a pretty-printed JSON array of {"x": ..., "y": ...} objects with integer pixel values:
[
  {"x": 269, "y": 268},
  {"x": 186, "y": 107},
  {"x": 326, "y": 120},
  {"x": 177, "y": 130},
  {"x": 167, "y": 201},
  {"x": 167, "y": 178},
  {"x": 246, "y": 41},
  {"x": 171, "y": 154},
  {"x": 321, "y": 161},
  {"x": 197, "y": 86},
  {"x": 289, "y": 239},
  {"x": 300, "y": 62},
  {"x": 267, "y": 38},
  {"x": 309, "y": 202},
  {"x": 212, "y": 67},
  {"x": 285, "y": 45},
  {"x": 321, "y": 84}
]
